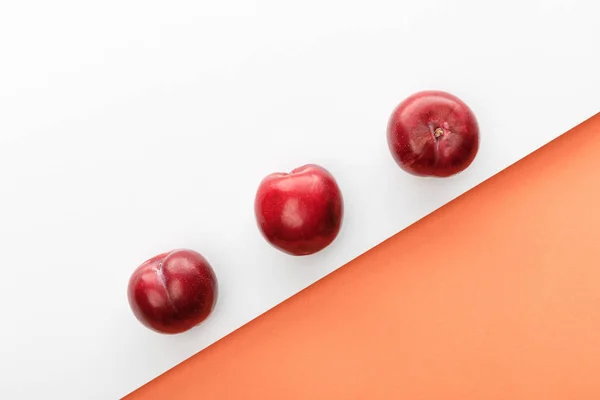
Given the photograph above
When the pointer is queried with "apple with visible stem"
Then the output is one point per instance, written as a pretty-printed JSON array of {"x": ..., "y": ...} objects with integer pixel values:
[
  {"x": 433, "y": 133},
  {"x": 299, "y": 213},
  {"x": 173, "y": 292}
]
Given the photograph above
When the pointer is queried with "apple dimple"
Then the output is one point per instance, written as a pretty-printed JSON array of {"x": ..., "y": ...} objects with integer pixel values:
[
  {"x": 299, "y": 213},
  {"x": 173, "y": 292},
  {"x": 433, "y": 133}
]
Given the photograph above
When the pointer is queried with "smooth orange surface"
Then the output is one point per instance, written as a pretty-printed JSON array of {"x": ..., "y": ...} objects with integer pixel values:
[{"x": 494, "y": 296}]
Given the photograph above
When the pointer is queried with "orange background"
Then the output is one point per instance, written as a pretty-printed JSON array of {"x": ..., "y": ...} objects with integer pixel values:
[{"x": 494, "y": 296}]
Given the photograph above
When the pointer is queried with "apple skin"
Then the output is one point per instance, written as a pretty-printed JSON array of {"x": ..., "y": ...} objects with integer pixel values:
[
  {"x": 173, "y": 292},
  {"x": 433, "y": 133},
  {"x": 299, "y": 213}
]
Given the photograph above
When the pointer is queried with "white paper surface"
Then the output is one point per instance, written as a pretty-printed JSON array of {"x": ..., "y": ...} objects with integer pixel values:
[{"x": 129, "y": 128}]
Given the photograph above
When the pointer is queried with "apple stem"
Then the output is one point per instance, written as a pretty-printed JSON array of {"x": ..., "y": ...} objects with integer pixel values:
[{"x": 438, "y": 132}]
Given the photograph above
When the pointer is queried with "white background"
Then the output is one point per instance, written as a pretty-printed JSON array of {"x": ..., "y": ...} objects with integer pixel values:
[{"x": 129, "y": 128}]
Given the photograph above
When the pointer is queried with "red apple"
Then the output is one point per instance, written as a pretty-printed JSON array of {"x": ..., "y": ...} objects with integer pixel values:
[
  {"x": 173, "y": 292},
  {"x": 433, "y": 133},
  {"x": 301, "y": 212}
]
